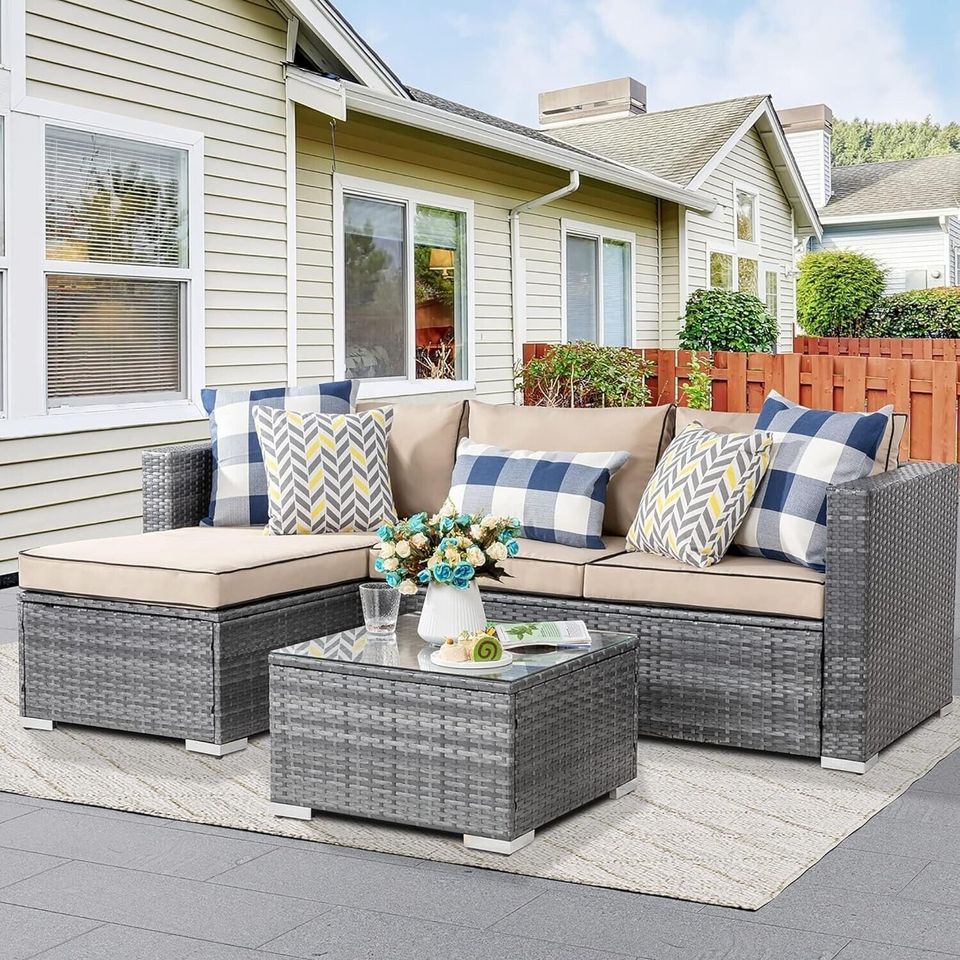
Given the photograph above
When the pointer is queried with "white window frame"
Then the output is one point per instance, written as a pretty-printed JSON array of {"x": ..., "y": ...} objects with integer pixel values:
[
  {"x": 410, "y": 197},
  {"x": 27, "y": 411},
  {"x": 594, "y": 231},
  {"x": 747, "y": 248},
  {"x": 767, "y": 268},
  {"x": 726, "y": 251}
]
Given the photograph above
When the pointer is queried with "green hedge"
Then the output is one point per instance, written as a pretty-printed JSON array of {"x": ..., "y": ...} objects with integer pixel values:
[
  {"x": 916, "y": 313},
  {"x": 727, "y": 320},
  {"x": 835, "y": 290}
]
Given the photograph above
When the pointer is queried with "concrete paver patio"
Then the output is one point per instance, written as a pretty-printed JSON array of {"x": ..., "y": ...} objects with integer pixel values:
[{"x": 81, "y": 883}]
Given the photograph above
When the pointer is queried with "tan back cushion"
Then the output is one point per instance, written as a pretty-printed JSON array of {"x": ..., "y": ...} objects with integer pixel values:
[
  {"x": 642, "y": 431},
  {"x": 423, "y": 447},
  {"x": 716, "y": 421}
]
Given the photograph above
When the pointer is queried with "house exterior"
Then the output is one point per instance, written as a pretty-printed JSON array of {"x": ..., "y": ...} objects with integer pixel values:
[
  {"x": 240, "y": 192},
  {"x": 904, "y": 213}
]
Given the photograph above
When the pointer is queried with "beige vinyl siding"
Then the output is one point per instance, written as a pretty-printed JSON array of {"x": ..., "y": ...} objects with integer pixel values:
[
  {"x": 212, "y": 66},
  {"x": 953, "y": 226},
  {"x": 381, "y": 151},
  {"x": 76, "y": 485},
  {"x": 748, "y": 164},
  {"x": 897, "y": 247},
  {"x": 670, "y": 215}
]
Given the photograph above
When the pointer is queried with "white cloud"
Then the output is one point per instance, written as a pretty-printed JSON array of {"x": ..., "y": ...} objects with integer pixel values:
[
  {"x": 849, "y": 54},
  {"x": 539, "y": 46}
]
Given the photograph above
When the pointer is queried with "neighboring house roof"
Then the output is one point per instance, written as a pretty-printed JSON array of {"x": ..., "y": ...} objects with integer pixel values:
[
  {"x": 895, "y": 186},
  {"x": 674, "y": 144}
]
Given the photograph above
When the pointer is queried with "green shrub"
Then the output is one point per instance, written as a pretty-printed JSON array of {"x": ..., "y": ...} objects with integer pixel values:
[
  {"x": 582, "y": 374},
  {"x": 835, "y": 290},
  {"x": 698, "y": 389},
  {"x": 916, "y": 313},
  {"x": 727, "y": 320}
]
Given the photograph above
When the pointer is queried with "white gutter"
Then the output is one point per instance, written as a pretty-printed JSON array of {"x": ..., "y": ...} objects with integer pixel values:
[
  {"x": 469, "y": 130},
  {"x": 932, "y": 214},
  {"x": 518, "y": 292}
]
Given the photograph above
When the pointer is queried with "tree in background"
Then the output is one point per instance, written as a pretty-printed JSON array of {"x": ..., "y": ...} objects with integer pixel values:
[{"x": 869, "y": 141}]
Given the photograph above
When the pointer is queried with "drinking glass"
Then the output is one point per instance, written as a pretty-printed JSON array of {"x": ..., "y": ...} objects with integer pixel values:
[{"x": 381, "y": 605}]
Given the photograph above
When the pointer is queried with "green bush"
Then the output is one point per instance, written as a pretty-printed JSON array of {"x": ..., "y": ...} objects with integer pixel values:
[
  {"x": 835, "y": 290},
  {"x": 916, "y": 313},
  {"x": 727, "y": 320}
]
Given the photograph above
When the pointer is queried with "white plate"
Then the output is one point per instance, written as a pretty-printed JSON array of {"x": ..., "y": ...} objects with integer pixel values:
[{"x": 471, "y": 666}]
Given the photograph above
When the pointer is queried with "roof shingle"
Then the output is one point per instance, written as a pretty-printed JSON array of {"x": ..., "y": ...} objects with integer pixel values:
[
  {"x": 673, "y": 144},
  {"x": 895, "y": 186}
]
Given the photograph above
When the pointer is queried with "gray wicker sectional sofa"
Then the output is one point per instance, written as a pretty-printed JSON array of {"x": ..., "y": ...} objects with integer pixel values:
[{"x": 168, "y": 632}]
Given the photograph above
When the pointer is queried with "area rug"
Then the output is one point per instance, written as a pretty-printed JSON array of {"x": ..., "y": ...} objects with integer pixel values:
[{"x": 727, "y": 827}]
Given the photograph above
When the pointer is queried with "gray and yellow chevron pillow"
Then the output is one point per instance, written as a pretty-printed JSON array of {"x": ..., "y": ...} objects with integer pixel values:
[
  {"x": 699, "y": 494},
  {"x": 326, "y": 473}
]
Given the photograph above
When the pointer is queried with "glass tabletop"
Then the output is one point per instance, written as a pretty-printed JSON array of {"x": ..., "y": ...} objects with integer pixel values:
[{"x": 407, "y": 651}]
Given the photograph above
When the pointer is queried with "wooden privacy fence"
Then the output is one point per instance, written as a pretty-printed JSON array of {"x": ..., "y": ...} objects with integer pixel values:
[
  {"x": 926, "y": 390},
  {"x": 892, "y": 348}
]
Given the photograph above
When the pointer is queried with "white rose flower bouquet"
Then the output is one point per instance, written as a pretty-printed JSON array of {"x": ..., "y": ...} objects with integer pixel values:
[{"x": 450, "y": 548}]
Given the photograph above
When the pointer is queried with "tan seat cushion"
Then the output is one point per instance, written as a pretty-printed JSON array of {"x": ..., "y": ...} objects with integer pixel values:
[
  {"x": 423, "y": 447},
  {"x": 207, "y": 567},
  {"x": 642, "y": 431},
  {"x": 717, "y": 421},
  {"x": 747, "y": 584},
  {"x": 547, "y": 568}
]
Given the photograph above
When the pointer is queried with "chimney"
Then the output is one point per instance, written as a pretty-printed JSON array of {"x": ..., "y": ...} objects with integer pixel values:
[
  {"x": 808, "y": 131},
  {"x": 606, "y": 100}
]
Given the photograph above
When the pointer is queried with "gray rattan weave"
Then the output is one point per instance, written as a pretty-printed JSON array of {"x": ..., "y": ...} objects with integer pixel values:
[
  {"x": 449, "y": 752},
  {"x": 845, "y": 687},
  {"x": 171, "y": 671}
]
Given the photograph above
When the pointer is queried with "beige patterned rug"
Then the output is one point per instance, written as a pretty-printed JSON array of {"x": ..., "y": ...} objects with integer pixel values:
[{"x": 718, "y": 826}]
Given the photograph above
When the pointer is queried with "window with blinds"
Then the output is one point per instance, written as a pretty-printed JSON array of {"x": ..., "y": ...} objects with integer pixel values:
[
  {"x": 113, "y": 200},
  {"x": 116, "y": 267},
  {"x": 109, "y": 336}
]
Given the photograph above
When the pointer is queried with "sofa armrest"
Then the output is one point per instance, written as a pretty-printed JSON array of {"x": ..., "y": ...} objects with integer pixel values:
[
  {"x": 176, "y": 485},
  {"x": 889, "y": 607}
]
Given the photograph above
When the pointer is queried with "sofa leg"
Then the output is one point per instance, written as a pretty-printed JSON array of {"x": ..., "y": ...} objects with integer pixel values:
[
  {"x": 624, "y": 789},
  {"x": 848, "y": 766},
  {"x": 503, "y": 847},
  {"x": 290, "y": 810},
  {"x": 35, "y": 723},
  {"x": 946, "y": 710},
  {"x": 215, "y": 749}
]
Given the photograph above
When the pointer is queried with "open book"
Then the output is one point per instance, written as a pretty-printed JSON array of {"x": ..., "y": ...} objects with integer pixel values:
[{"x": 543, "y": 633}]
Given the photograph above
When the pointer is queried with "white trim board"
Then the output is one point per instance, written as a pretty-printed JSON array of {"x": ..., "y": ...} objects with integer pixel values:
[{"x": 829, "y": 221}]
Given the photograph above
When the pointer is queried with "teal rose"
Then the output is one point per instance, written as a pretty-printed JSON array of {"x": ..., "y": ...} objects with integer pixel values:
[
  {"x": 463, "y": 571},
  {"x": 442, "y": 572}
]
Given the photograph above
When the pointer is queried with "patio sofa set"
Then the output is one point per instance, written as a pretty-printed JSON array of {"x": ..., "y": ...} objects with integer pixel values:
[{"x": 168, "y": 632}]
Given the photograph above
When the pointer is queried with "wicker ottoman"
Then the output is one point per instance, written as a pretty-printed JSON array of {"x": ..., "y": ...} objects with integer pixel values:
[{"x": 370, "y": 729}]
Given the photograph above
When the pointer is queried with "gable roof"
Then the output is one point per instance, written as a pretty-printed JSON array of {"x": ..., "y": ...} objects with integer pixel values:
[
  {"x": 895, "y": 186},
  {"x": 674, "y": 144}
]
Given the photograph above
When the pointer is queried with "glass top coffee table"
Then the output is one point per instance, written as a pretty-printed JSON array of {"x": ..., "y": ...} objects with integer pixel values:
[{"x": 370, "y": 727}]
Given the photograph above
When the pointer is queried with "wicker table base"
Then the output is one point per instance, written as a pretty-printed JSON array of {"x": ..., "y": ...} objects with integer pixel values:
[{"x": 490, "y": 758}]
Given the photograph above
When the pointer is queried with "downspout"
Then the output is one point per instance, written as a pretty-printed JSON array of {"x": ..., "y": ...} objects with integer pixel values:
[{"x": 517, "y": 292}]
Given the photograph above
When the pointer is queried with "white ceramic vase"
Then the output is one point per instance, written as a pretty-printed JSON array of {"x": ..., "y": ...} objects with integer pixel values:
[{"x": 448, "y": 611}]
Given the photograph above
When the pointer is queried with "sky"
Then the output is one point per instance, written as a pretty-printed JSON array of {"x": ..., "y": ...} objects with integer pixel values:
[{"x": 880, "y": 59}]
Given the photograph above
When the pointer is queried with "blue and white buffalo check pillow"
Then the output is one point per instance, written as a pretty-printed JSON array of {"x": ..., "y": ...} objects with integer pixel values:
[
  {"x": 557, "y": 497},
  {"x": 239, "y": 492},
  {"x": 813, "y": 450}
]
